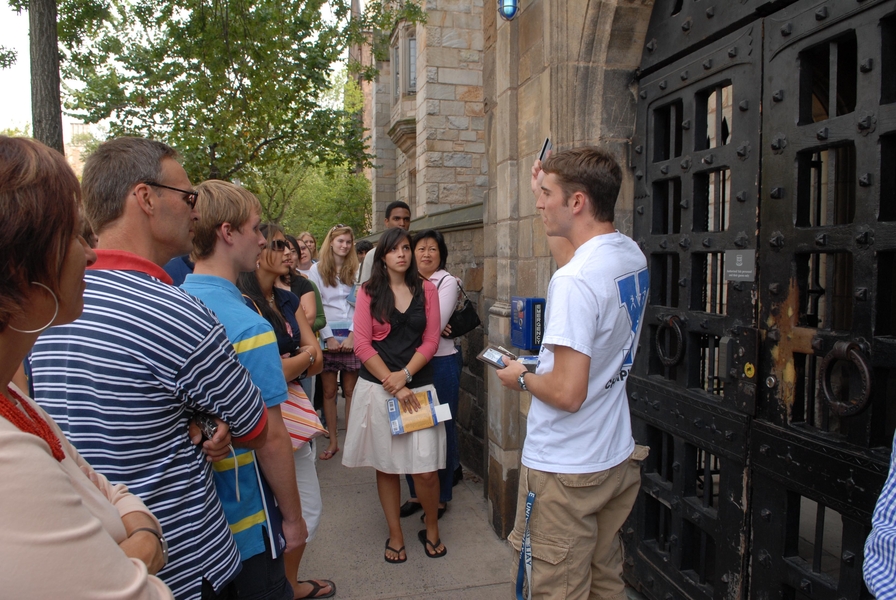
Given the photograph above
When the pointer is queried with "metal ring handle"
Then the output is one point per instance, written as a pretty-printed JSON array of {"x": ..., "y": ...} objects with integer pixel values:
[
  {"x": 673, "y": 323},
  {"x": 852, "y": 352}
]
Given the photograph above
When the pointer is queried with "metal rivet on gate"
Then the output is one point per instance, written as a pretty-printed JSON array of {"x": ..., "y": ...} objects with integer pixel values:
[
  {"x": 774, "y": 288},
  {"x": 778, "y": 95},
  {"x": 777, "y": 192},
  {"x": 770, "y": 382},
  {"x": 685, "y": 164},
  {"x": 639, "y": 149},
  {"x": 684, "y": 75},
  {"x": 742, "y": 151},
  {"x": 863, "y": 238},
  {"x": 707, "y": 64},
  {"x": 676, "y": 466},
  {"x": 865, "y": 180},
  {"x": 764, "y": 448},
  {"x": 861, "y": 294},
  {"x": 741, "y": 240},
  {"x": 707, "y": 160},
  {"x": 865, "y": 123},
  {"x": 729, "y": 435},
  {"x": 643, "y": 94},
  {"x": 866, "y": 65},
  {"x": 766, "y": 514},
  {"x": 777, "y": 240},
  {"x": 664, "y": 244},
  {"x": 744, "y": 105},
  {"x": 806, "y": 586},
  {"x": 707, "y": 242},
  {"x": 639, "y": 175},
  {"x": 664, "y": 84},
  {"x": 732, "y": 52},
  {"x": 774, "y": 335},
  {"x": 640, "y": 210},
  {"x": 686, "y": 124},
  {"x": 686, "y": 26},
  {"x": 817, "y": 344},
  {"x": 787, "y": 29},
  {"x": 765, "y": 559},
  {"x": 651, "y": 45},
  {"x": 684, "y": 203},
  {"x": 849, "y": 558},
  {"x": 685, "y": 243},
  {"x": 823, "y": 133},
  {"x": 737, "y": 285},
  {"x": 741, "y": 197},
  {"x": 664, "y": 169},
  {"x": 821, "y": 239},
  {"x": 698, "y": 423},
  {"x": 683, "y": 282},
  {"x": 821, "y": 14},
  {"x": 710, "y": 12}
]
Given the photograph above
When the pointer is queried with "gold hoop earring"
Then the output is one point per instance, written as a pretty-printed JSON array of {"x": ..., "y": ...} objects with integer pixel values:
[{"x": 53, "y": 318}]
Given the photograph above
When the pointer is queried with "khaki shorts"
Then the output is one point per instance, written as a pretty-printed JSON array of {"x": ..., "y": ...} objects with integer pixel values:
[{"x": 574, "y": 528}]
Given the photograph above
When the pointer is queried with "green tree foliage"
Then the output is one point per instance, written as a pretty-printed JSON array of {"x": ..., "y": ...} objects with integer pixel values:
[
  {"x": 234, "y": 85},
  {"x": 315, "y": 198}
]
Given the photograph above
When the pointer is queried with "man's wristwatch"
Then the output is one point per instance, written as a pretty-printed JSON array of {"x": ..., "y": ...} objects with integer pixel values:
[
  {"x": 162, "y": 541},
  {"x": 407, "y": 375},
  {"x": 521, "y": 380}
]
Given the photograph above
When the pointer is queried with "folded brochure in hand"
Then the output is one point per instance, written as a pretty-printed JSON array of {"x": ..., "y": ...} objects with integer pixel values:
[{"x": 430, "y": 413}]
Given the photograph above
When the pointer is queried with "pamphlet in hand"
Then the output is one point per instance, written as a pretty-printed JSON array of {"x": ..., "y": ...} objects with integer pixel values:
[
  {"x": 340, "y": 332},
  {"x": 431, "y": 413}
]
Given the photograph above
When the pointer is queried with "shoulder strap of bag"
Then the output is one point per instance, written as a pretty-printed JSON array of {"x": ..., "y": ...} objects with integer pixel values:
[{"x": 253, "y": 303}]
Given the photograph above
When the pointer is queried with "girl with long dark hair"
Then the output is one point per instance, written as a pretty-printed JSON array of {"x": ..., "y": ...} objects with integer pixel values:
[{"x": 396, "y": 334}]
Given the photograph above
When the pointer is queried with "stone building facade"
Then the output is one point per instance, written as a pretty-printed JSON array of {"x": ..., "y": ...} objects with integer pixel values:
[{"x": 455, "y": 129}]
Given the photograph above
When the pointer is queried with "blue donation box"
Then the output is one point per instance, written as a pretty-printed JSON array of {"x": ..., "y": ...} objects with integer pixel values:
[{"x": 526, "y": 322}]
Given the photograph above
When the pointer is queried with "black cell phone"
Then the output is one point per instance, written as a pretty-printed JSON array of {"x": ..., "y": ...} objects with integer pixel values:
[
  {"x": 207, "y": 424},
  {"x": 545, "y": 148}
]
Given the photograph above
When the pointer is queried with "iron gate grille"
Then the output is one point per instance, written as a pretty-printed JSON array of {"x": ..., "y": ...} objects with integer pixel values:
[{"x": 766, "y": 390}]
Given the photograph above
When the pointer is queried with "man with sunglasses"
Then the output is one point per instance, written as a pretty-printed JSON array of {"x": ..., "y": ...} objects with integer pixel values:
[{"x": 125, "y": 379}]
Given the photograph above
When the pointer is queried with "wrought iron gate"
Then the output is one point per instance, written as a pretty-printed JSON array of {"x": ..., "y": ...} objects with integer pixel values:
[{"x": 765, "y": 166}]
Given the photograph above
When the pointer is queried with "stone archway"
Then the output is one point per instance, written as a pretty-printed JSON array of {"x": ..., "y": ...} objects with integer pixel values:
[{"x": 564, "y": 69}]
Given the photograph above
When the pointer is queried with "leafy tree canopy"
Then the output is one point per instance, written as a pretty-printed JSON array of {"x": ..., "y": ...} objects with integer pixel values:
[
  {"x": 314, "y": 198},
  {"x": 234, "y": 85}
]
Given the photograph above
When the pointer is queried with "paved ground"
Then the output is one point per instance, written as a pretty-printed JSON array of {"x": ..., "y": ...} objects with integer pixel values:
[{"x": 348, "y": 547}]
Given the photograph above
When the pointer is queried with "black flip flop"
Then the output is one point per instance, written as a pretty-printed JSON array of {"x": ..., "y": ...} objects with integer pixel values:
[
  {"x": 409, "y": 508},
  {"x": 397, "y": 559},
  {"x": 442, "y": 510},
  {"x": 421, "y": 535},
  {"x": 315, "y": 589}
]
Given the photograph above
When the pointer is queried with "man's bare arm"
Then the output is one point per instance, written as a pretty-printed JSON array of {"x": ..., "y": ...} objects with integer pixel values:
[{"x": 565, "y": 387}]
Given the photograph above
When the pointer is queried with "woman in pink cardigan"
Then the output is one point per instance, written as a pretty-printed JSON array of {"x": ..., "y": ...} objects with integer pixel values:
[
  {"x": 396, "y": 334},
  {"x": 65, "y": 531}
]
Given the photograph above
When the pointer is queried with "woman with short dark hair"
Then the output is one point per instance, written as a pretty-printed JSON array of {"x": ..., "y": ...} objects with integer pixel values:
[{"x": 67, "y": 531}]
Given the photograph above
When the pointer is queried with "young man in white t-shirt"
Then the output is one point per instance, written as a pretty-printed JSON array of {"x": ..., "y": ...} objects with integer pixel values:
[{"x": 579, "y": 456}]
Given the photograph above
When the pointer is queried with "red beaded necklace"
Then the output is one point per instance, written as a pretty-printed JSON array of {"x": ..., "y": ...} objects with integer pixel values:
[{"x": 35, "y": 425}]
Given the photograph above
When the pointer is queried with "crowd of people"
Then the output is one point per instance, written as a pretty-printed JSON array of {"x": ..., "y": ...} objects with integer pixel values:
[{"x": 151, "y": 332}]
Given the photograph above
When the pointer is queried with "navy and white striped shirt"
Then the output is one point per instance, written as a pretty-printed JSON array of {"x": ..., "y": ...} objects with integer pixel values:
[
  {"x": 880, "y": 547},
  {"x": 122, "y": 381}
]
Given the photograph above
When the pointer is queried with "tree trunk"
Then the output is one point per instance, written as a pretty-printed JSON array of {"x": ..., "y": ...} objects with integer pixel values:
[{"x": 46, "y": 108}]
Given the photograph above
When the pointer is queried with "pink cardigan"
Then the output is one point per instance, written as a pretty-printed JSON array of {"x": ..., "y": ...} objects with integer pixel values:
[{"x": 368, "y": 329}]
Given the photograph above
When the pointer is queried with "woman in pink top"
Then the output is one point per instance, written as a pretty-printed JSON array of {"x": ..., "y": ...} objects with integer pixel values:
[
  {"x": 396, "y": 334},
  {"x": 65, "y": 531}
]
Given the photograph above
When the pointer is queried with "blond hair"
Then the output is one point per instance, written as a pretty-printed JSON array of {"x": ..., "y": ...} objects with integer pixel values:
[
  {"x": 219, "y": 202},
  {"x": 327, "y": 265}
]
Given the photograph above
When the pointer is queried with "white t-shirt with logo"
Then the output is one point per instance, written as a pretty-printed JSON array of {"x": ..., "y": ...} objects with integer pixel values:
[{"x": 595, "y": 306}]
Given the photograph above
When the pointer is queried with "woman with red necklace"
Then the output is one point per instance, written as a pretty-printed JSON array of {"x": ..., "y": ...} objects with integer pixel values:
[{"x": 65, "y": 531}]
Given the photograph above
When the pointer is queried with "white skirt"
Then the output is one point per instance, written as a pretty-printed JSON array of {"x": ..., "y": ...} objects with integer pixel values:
[{"x": 369, "y": 441}]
